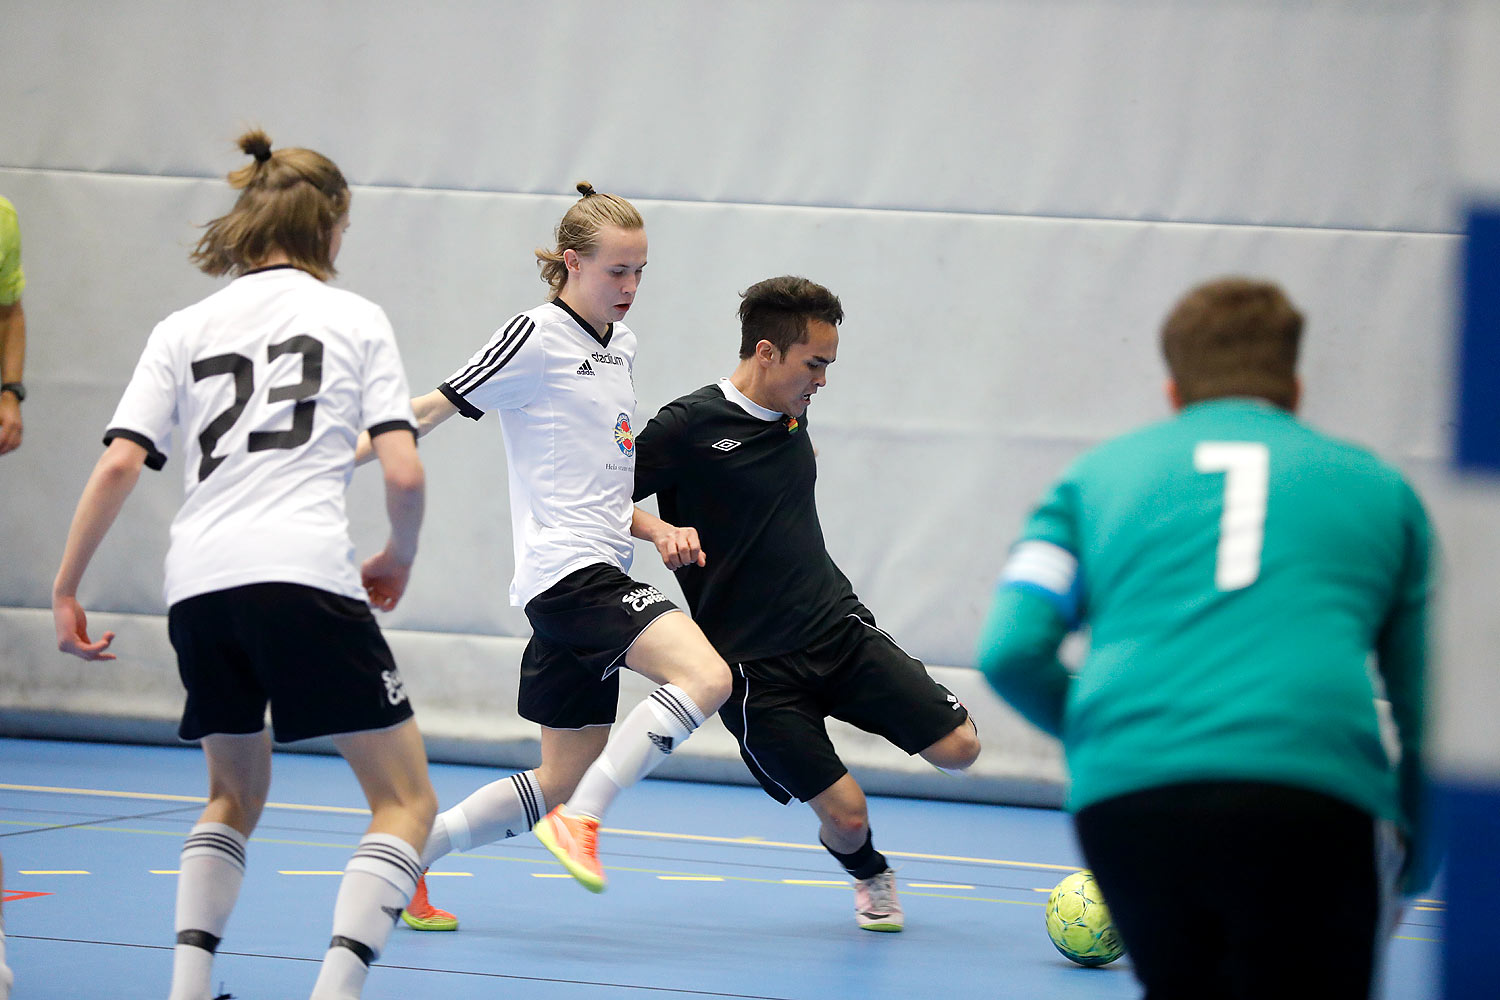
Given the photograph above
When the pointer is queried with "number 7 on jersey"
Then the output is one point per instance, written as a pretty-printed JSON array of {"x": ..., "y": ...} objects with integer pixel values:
[{"x": 1242, "y": 527}]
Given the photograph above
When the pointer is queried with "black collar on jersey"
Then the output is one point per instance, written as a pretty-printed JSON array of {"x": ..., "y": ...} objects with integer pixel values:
[
  {"x": 587, "y": 327},
  {"x": 271, "y": 267}
]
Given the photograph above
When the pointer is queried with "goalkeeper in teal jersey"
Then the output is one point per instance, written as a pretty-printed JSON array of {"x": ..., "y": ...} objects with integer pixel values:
[{"x": 1240, "y": 574}]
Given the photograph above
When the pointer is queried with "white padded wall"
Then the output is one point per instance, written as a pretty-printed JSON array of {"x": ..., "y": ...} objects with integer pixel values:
[{"x": 1007, "y": 195}]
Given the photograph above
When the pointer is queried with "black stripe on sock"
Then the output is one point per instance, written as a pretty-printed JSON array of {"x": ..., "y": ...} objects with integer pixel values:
[
  {"x": 199, "y": 939},
  {"x": 392, "y": 857},
  {"x": 362, "y": 951},
  {"x": 675, "y": 706},
  {"x": 527, "y": 794},
  {"x": 209, "y": 840}
]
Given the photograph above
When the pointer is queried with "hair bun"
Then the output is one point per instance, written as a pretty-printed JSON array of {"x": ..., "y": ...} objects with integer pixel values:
[
  {"x": 256, "y": 144},
  {"x": 585, "y": 188}
]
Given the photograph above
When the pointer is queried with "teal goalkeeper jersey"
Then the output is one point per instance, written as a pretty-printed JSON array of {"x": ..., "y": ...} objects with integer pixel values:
[{"x": 1240, "y": 575}]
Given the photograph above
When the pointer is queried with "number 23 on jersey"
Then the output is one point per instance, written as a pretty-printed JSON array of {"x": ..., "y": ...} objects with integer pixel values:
[{"x": 243, "y": 371}]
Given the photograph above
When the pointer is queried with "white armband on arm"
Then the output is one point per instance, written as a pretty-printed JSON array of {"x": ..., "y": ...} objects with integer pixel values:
[{"x": 1049, "y": 571}]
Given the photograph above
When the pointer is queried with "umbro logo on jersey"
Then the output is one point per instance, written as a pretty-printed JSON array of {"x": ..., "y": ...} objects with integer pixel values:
[
  {"x": 726, "y": 445},
  {"x": 585, "y": 368},
  {"x": 663, "y": 743}
]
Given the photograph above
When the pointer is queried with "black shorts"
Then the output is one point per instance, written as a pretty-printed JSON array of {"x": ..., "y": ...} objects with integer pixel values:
[
  {"x": 1226, "y": 889},
  {"x": 582, "y": 627},
  {"x": 317, "y": 657},
  {"x": 855, "y": 673}
]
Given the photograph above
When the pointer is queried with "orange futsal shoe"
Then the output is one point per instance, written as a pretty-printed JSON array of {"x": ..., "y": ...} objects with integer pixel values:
[
  {"x": 573, "y": 840},
  {"x": 421, "y": 915}
]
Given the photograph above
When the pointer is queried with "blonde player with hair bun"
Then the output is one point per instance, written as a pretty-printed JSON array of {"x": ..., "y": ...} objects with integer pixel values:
[
  {"x": 269, "y": 382},
  {"x": 560, "y": 376}
]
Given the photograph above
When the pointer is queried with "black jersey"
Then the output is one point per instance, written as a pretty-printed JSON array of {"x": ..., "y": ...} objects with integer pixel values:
[{"x": 744, "y": 477}]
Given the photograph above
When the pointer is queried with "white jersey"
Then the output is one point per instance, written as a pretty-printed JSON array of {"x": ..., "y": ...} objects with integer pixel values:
[
  {"x": 269, "y": 381},
  {"x": 566, "y": 399}
]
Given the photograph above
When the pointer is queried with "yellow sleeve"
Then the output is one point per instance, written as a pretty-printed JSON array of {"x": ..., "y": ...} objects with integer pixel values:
[{"x": 12, "y": 278}]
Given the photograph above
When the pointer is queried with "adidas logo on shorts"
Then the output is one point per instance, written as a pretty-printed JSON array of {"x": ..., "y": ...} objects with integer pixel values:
[{"x": 585, "y": 368}]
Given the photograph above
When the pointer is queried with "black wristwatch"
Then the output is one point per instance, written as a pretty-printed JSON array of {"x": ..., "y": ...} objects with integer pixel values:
[{"x": 17, "y": 389}]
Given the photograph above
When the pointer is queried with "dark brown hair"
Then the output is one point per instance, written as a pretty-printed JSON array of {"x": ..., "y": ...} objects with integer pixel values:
[
  {"x": 290, "y": 200},
  {"x": 1233, "y": 337},
  {"x": 579, "y": 230},
  {"x": 778, "y": 310}
]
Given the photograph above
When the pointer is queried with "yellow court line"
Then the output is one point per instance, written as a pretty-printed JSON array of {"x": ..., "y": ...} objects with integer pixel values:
[
  {"x": 653, "y": 834},
  {"x": 935, "y": 885},
  {"x": 1430, "y": 909},
  {"x": 163, "y": 797},
  {"x": 165, "y": 871},
  {"x": 656, "y": 834},
  {"x": 550, "y": 875},
  {"x": 450, "y": 874},
  {"x": 758, "y": 842},
  {"x": 811, "y": 881},
  {"x": 59, "y": 871}
]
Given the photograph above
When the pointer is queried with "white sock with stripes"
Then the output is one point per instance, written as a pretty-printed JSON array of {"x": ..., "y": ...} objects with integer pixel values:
[
  {"x": 499, "y": 810},
  {"x": 378, "y": 881},
  {"x": 6, "y": 976},
  {"x": 211, "y": 870},
  {"x": 649, "y": 734}
]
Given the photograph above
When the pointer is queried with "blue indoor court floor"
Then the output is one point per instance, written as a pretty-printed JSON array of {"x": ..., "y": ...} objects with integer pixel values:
[{"x": 715, "y": 891}]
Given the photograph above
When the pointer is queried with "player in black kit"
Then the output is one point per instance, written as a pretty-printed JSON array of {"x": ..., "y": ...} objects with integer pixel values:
[{"x": 733, "y": 472}]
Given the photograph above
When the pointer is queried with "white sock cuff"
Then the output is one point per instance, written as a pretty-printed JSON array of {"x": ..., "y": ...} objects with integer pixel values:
[
  {"x": 388, "y": 857},
  {"x": 456, "y": 825},
  {"x": 216, "y": 840},
  {"x": 673, "y": 707}
]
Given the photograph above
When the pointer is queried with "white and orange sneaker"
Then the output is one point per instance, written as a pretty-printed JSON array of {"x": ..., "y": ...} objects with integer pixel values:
[
  {"x": 876, "y": 907},
  {"x": 421, "y": 915},
  {"x": 573, "y": 840}
]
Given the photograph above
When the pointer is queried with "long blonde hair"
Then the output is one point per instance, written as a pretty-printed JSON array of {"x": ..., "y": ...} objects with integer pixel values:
[
  {"x": 579, "y": 230},
  {"x": 290, "y": 200}
]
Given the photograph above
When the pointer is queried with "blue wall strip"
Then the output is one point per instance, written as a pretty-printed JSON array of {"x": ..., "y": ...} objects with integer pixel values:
[
  {"x": 1478, "y": 445},
  {"x": 1472, "y": 819}
]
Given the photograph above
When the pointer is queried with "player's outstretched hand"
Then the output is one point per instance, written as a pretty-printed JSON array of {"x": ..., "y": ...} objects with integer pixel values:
[
  {"x": 384, "y": 578},
  {"x": 679, "y": 547},
  {"x": 73, "y": 631}
]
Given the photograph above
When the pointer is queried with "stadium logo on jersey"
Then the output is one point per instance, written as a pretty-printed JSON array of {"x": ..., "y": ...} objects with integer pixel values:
[
  {"x": 642, "y": 598},
  {"x": 663, "y": 743},
  {"x": 585, "y": 368},
  {"x": 624, "y": 437},
  {"x": 607, "y": 359},
  {"x": 726, "y": 445},
  {"x": 395, "y": 691}
]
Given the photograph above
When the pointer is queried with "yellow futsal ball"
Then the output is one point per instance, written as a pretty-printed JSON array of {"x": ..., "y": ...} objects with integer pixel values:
[{"x": 1078, "y": 922}]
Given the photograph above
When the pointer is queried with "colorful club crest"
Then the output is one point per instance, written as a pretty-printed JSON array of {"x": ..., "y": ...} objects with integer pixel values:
[{"x": 624, "y": 437}]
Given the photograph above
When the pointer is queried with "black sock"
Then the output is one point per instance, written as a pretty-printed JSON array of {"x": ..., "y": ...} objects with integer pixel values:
[{"x": 865, "y": 862}]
